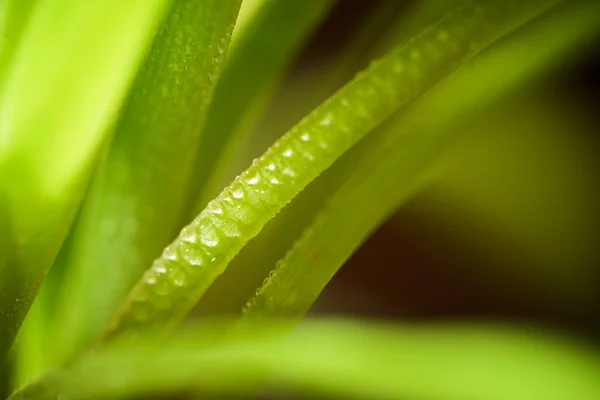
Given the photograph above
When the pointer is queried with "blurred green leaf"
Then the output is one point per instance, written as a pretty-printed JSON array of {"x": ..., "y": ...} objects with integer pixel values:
[
  {"x": 14, "y": 15},
  {"x": 55, "y": 111},
  {"x": 137, "y": 198},
  {"x": 391, "y": 164},
  {"x": 370, "y": 361}
]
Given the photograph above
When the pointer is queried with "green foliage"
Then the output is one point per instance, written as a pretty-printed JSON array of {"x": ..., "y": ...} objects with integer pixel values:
[
  {"x": 147, "y": 169},
  {"x": 113, "y": 134},
  {"x": 393, "y": 161},
  {"x": 187, "y": 267},
  {"x": 355, "y": 360},
  {"x": 268, "y": 43},
  {"x": 55, "y": 111}
]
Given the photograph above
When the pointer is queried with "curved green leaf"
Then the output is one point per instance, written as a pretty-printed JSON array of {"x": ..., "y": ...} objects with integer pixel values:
[
  {"x": 176, "y": 280},
  {"x": 394, "y": 162},
  {"x": 247, "y": 270},
  {"x": 270, "y": 40},
  {"x": 55, "y": 109},
  {"x": 340, "y": 358}
]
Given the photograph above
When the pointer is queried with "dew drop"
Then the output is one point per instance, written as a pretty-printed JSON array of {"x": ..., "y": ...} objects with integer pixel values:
[
  {"x": 271, "y": 167},
  {"x": 208, "y": 234},
  {"x": 215, "y": 208},
  {"x": 188, "y": 234},
  {"x": 179, "y": 277},
  {"x": 326, "y": 121},
  {"x": 227, "y": 226},
  {"x": 192, "y": 254},
  {"x": 254, "y": 179},
  {"x": 237, "y": 192},
  {"x": 170, "y": 253},
  {"x": 289, "y": 172},
  {"x": 159, "y": 267},
  {"x": 305, "y": 137}
]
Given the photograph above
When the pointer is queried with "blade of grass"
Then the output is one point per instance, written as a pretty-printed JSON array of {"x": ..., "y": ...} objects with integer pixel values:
[
  {"x": 53, "y": 117},
  {"x": 272, "y": 37},
  {"x": 136, "y": 201},
  {"x": 395, "y": 160},
  {"x": 343, "y": 359},
  {"x": 247, "y": 270},
  {"x": 187, "y": 267}
]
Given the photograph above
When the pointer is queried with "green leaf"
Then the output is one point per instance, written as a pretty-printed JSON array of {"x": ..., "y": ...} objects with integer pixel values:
[
  {"x": 14, "y": 15},
  {"x": 176, "y": 280},
  {"x": 55, "y": 111},
  {"x": 247, "y": 270},
  {"x": 395, "y": 162},
  {"x": 341, "y": 358},
  {"x": 271, "y": 38},
  {"x": 137, "y": 198}
]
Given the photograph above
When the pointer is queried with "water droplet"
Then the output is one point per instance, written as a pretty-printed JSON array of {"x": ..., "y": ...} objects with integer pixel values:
[
  {"x": 308, "y": 156},
  {"x": 253, "y": 180},
  {"x": 275, "y": 181},
  {"x": 271, "y": 167},
  {"x": 208, "y": 234},
  {"x": 305, "y": 137},
  {"x": 188, "y": 234},
  {"x": 192, "y": 254},
  {"x": 326, "y": 121},
  {"x": 237, "y": 191},
  {"x": 289, "y": 172},
  {"x": 159, "y": 267},
  {"x": 226, "y": 226},
  {"x": 170, "y": 252},
  {"x": 215, "y": 208},
  {"x": 288, "y": 153},
  {"x": 178, "y": 277}
]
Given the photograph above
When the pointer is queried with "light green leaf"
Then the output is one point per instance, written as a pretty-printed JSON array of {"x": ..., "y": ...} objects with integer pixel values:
[
  {"x": 64, "y": 86},
  {"x": 347, "y": 359},
  {"x": 392, "y": 163},
  {"x": 137, "y": 198},
  {"x": 204, "y": 248}
]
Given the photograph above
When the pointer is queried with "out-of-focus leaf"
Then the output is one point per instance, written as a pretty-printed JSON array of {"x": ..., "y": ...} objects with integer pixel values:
[
  {"x": 63, "y": 87},
  {"x": 14, "y": 15},
  {"x": 204, "y": 248},
  {"x": 271, "y": 38},
  {"x": 340, "y": 358},
  {"x": 137, "y": 198},
  {"x": 393, "y": 161}
]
